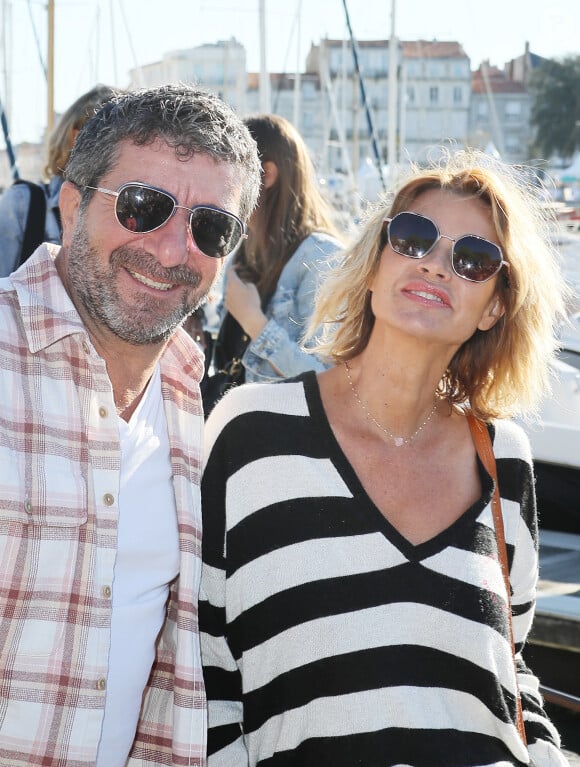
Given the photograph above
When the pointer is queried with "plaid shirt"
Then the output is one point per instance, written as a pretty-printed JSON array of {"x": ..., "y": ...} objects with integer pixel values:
[{"x": 59, "y": 483}]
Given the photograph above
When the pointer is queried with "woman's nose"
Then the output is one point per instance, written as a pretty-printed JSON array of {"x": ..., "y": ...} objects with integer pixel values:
[{"x": 438, "y": 261}]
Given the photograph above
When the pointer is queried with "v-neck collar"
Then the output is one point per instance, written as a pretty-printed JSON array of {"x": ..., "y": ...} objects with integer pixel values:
[{"x": 450, "y": 536}]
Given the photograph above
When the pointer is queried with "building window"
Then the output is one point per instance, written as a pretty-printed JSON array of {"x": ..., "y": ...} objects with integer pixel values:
[
  {"x": 457, "y": 94},
  {"x": 482, "y": 109},
  {"x": 460, "y": 69},
  {"x": 513, "y": 110},
  {"x": 436, "y": 69},
  {"x": 513, "y": 144},
  {"x": 413, "y": 68},
  {"x": 410, "y": 94},
  {"x": 433, "y": 94}
]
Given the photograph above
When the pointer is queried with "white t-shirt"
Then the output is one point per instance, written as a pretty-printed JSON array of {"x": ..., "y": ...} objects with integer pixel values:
[{"x": 147, "y": 561}]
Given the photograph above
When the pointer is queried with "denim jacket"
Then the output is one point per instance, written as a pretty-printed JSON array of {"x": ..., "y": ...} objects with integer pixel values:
[
  {"x": 14, "y": 203},
  {"x": 276, "y": 353}
]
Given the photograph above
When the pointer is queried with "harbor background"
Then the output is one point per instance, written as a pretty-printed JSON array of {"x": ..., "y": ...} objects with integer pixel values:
[
  {"x": 568, "y": 724},
  {"x": 122, "y": 42}
]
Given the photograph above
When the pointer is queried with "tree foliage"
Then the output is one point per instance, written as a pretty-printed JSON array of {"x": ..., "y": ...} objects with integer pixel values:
[{"x": 555, "y": 91}]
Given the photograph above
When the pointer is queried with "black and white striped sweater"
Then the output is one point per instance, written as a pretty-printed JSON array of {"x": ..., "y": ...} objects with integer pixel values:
[{"x": 330, "y": 640}]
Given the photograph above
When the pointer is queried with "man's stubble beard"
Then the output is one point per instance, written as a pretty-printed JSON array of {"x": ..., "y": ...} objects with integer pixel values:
[{"x": 94, "y": 286}]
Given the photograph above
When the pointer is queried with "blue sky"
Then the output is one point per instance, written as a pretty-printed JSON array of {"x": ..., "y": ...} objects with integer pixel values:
[{"x": 100, "y": 40}]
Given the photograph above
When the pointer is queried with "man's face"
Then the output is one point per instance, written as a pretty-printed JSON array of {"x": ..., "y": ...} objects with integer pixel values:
[{"x": 139, "y": 287}]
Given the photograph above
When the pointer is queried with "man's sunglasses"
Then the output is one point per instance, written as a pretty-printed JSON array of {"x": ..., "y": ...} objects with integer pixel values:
[
  {"x": 142, "y": 209},
  {"x": 473, "y": 258}
]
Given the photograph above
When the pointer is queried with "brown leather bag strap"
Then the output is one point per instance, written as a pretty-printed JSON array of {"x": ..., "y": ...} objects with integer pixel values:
[{"x": 484, "y": 449}]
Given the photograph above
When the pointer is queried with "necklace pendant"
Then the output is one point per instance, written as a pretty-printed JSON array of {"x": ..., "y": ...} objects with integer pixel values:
[{"x": 398, "y": 441}]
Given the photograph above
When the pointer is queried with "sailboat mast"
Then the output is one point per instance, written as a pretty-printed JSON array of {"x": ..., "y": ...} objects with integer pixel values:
[
  {"x": 264, "y": 79},
  {"x": 392, "y": 120},
  {"x": 50, "y": 70},
  {"x": 364, "y": 98},
  {"x": 6, "y": 28},
  {"x": 298, "y": 64}
]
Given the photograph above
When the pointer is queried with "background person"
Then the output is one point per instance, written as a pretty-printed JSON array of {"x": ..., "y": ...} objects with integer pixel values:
[
  {"x": 270, "y": 287},
  {"x": 353, "y": 608},
  {"x": 100, "y": 438},
  {"x": 15, "y": 201}
]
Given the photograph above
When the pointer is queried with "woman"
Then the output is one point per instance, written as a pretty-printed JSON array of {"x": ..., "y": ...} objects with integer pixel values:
[
  {"x": 270, "y": 288},
  {"x": 16, "y": 199},
  {"x": 353, "y": 608}
]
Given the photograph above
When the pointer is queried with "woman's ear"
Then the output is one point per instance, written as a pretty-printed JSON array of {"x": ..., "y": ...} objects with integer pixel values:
[
  {"x": 492, "y": 313},
  {"x": 69, "y": 203},
  {"x": 270, "y": 173}
]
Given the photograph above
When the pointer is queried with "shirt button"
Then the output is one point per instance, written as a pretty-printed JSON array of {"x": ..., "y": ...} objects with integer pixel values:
[
  {"x": 107, "y": 592},
  {"x": 86, "y": 348},
  {"x": 101, "y": 684},
  {"x": 108, "y": 499},
  {"x": 103, "y": 412},
  {"x": 28, "y": 506}
]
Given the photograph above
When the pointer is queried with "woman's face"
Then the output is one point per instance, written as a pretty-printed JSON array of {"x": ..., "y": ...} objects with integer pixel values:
[{"x": 425, "y": 297}]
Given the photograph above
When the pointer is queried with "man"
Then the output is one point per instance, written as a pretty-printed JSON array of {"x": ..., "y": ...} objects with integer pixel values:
[{"x": 100, "y": 438}]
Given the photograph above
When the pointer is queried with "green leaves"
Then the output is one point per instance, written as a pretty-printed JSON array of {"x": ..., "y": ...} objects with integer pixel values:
[{"x": 555, "y": 91}]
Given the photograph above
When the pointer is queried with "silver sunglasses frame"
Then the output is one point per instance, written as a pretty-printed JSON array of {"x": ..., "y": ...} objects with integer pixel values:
[
  {"x": 454, "y": 240},
  {"x": 176, "y": 207}
]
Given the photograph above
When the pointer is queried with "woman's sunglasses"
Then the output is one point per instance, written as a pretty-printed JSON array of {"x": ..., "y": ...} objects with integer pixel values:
[
  {"x": 473, "y": 258},
  {"x": 142, "y": 209}
]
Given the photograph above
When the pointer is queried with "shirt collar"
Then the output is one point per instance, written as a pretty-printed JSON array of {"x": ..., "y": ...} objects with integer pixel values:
[{"x": 47, "y": 312}]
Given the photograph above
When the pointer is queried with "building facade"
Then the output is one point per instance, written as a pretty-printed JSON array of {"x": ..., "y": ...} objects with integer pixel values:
[
  {"x": 500, "y": 113},
  {"x": 436, "y": 96},
  {"x": 345, "y": 118},
  {"x": 219, "y": 66},
  {"x": 344, "y": 122}
]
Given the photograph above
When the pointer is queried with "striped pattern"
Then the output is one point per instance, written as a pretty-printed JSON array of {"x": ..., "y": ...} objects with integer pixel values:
[
  {"x": 327, "y": 638},
  {"x": 59, "y": 480}
]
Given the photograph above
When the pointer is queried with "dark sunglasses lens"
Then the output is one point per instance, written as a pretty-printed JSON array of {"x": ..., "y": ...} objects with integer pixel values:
[
  {"x": 140, "y": 209},
  {"x": 412, "y": 235},
  {"x": 476, "y": 259},
  {"x": 216, "y": 233}
]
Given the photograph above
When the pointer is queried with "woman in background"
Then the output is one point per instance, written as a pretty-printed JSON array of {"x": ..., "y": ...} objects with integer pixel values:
[
  {"x": 353, "y": 610},
  {"x": 271, "y": 285},
  {"x": 16, "y": 199}
]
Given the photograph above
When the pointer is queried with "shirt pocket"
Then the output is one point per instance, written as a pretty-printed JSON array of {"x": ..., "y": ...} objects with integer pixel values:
[
  {"x": 52, "y": 493},
  {"x": 41, "y": 532}
]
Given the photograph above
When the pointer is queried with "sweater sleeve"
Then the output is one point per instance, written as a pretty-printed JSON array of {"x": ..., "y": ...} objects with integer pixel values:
[
  {"x": 542, "y": 737},
  {"x": 221, "y": 670}
]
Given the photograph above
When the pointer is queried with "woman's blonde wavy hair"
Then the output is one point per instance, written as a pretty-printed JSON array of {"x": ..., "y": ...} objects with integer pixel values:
[{"x": 501, "y": 372}]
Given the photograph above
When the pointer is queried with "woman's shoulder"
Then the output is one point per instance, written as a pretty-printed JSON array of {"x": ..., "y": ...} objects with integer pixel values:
[
  {"x": 284, "y": 396},
  {"x": 53, "y": 189},
  {"x": 319, "y": 244},
  {"x": 16, "y": 195},
  {"x": 315, "y": 254},
  {"x": 288, "y": 397},
  {"x": 511, "y": 441},
  {"x": 245, "y": 413}
]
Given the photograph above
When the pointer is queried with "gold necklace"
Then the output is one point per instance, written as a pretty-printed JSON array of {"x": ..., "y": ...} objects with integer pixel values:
[{"x": 399, "y": 441}]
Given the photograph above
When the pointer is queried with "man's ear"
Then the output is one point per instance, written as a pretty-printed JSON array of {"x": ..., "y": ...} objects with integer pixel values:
[
  {"x": 69, "y": 203},
  {"x": 492, "y": 313},
  {"x": 270, "y": 173}
]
